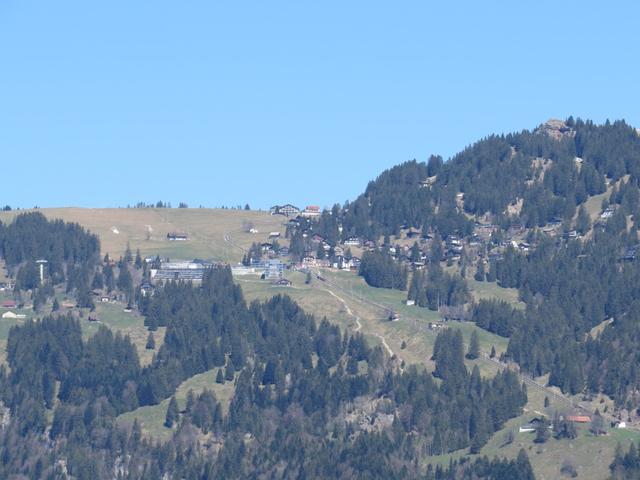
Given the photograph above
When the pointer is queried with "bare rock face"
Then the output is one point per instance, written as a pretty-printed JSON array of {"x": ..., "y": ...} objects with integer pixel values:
[{"x": 556, "y": 129}]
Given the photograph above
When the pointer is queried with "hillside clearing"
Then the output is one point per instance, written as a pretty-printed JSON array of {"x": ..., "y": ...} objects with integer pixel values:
[{"x": 151, "y": 418}]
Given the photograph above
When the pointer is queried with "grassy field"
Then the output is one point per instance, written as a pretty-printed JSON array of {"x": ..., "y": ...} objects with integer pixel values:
[
  {"x": 491, "y": 290},
  {"x": 206, "y": 228},
  {"x": 151, "y": 418},
  {"x": 412, "y": 327},
  {"x": 113, "y": 316}
]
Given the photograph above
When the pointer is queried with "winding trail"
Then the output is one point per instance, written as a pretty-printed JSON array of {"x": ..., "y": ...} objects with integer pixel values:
[
  {"x": 359, "y": 324},
  {"x": 348, "y": 310}
]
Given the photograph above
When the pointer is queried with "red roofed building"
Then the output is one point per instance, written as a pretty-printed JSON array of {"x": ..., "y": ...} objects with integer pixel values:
[
  {"x": 9, "y": 304},
  {"x": 578, "y": 418},
  {"x": 311, "y": 211}
]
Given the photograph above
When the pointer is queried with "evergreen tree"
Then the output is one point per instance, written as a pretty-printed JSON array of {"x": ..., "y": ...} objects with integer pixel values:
[
  {"x": 151, "y": 343},
  {"x": 172, "y": 413},
  {"x": 474, "y": 346},
  {"x": 583, "y": 222}
]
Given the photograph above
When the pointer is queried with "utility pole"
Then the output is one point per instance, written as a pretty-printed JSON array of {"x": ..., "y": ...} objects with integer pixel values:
[{"x": 41, "y": 263}]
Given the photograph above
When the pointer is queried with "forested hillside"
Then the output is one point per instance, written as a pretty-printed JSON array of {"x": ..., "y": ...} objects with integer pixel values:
[
  {"x": 573, "y": 259},
  {"x": 298, "y": 382},
  {"x": 550, "y": 175}
]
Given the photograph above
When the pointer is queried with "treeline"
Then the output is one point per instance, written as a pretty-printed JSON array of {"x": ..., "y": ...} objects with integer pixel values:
[
  {"x": 434, "y": 288},
  {"x": 32, "y": 237},
  {"x": 485, "y": 469},
  {"x": 492, "y": 174},
  {"x": 626, "y": 464},
  {"x": 379, "y": 269},
  {"x": 497, "y": 316}
]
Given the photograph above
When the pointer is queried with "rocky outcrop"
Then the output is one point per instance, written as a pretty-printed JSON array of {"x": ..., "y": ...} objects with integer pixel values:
[{"x": 556, "y": 129}]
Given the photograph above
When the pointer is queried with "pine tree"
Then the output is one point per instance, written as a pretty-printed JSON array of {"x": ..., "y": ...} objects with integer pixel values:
[
  {"x": 493, "y": 352},
  {"x": 583, "y": 222},
  {"x": 56, "y": 305},
  {"x": 542, "y": 432},
  {"x": 172, "y": 413},
  {"x": 229, "y": 372},
  {"x": 220, "y": 377},
  {"x": 597, "y": 424},
  {"x": 480, "y": 274},
  {"x": 151, "y": 343},
  {"x": 474, "y": 346}
]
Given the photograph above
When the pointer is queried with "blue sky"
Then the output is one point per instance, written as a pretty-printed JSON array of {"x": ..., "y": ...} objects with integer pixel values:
[{"x": 223, "y": 103}]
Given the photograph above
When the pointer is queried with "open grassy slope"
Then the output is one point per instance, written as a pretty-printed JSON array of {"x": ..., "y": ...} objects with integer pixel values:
[
  {"x": 206, "y": 228},
  {"x": 151, "y": 418}
]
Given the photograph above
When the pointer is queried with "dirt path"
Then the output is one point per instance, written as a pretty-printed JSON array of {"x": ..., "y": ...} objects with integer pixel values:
[
  {"x": 359, "y": 324},
  {"x": 348, "y": 310}
]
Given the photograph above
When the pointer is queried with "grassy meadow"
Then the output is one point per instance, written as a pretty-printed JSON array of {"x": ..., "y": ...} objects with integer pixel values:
[{"x": 205, "y": 226}]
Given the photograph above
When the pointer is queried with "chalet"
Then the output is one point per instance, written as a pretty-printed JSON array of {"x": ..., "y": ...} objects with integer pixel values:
[
  {"x": 353, "y": 241},
  {"x": 413, "y": 233},
  {"x": 146, "y": 289},
  {"x": 283, "y": 282},
  {"x": 410, "y": 303},
  {"x": 578, "y": 418},
  {"x": 8, "y": 304},
  {"x": 274, "y": 235},
  {"x": 287, "y": 210},
  {"x": 310, "y": 261},
  {"x": 340, "y": 262},
  {"x": 532, "y": 425},
  {"x": 253, "y": 230},
  {"x": 311, "y": 211},
  {"x": 355, "y": 263},
  {"x": 283, "y": 252},
  {"x": 607, "y": 213},
  {"x": 315, "y": 238},
  {"x": 338, "y": 250},
  {"x": 454, "y": 241},
  {"x": 177, "y": 236},
  {"x": 630, "y": 254},
  {"x": 266, "y": 247},
  {"x": 524, "y": 247},
  {"x": 105, "y": 299},
  {"x": 370, "y": 244},
  {"x": 13, "y": 315}
]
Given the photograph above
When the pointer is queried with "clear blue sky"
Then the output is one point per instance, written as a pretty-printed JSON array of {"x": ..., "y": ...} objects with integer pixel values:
[{"x": 218, "y": 103}]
